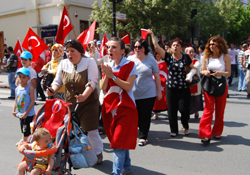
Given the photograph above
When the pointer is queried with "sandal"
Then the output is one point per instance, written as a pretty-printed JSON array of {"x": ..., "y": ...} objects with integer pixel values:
[
  {"x": 186, "y": 131},
  {"x": 142, "y": 143},
  {"x": 20, "y": 141},
  {"x": 196, "y": 116},
  {"x": 205, "y": 141},
  {"x": 172, "y": 134},
  {"x": 155, "y": 116},
  {"x": 218, "y": 137}
]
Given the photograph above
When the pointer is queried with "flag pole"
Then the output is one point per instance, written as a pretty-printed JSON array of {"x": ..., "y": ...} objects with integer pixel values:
[{"x": 71, "y": 22}]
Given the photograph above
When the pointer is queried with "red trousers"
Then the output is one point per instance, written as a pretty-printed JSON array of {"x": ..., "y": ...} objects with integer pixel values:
[{"x": 213, "y": 103}]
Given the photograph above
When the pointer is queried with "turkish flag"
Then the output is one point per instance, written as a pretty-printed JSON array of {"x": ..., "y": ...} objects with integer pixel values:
[
  {"x": 103, "y": 46},
  {"x": 126, "y": 39},
  {"x": 34, "y": 44},
  {"x": 18, "y": 50},
  {"x": 144, "y": 33},
  {"x": 64, "y": 28},
  {"x": 87, "y": 35},
  {"x": 162, "y": 105},
  {"x": 119, "y": 113},
  {"x": 55, "y": 111}
]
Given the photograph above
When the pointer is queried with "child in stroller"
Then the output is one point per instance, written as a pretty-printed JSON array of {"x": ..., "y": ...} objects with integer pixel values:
[
  {"x": 42, "y": 141},
  {"x": 56, "y": 117}
]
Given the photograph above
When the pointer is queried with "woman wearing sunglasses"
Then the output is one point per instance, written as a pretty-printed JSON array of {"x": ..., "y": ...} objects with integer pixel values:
[
  {"x": 216, "y": 63},
  {"x": 79, "y": 74},
  {"x": 146, "y": 89},
  {"x": 178, "y": 91}
]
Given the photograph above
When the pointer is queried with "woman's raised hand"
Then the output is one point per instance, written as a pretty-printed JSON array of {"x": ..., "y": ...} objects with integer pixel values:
[
  {"x": 150, "y": 32},
  {"x": 107, "y": 71}
]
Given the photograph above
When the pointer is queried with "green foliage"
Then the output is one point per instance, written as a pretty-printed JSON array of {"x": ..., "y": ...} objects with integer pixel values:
[
  {"x": 165, "y": 17},
  {"x": 237, "y": 18},
  {"x": 209, "y": 19},
  {"x": 172, "y": 18}
]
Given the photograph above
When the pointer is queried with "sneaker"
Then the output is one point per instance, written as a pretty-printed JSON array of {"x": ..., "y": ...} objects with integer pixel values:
[
  {"x": 99, "y": 159},
  {"x": 126, "y": 171}
]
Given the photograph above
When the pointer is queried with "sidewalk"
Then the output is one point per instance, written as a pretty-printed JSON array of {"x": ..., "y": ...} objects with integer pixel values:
[{"x": 4, "y": 79}]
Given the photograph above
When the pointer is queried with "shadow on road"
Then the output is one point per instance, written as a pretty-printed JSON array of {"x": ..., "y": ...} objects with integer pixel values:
[{"x": 106, "y": 168}]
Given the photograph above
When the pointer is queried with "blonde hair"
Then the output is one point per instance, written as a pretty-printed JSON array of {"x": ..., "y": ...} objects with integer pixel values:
[
  {"x": 39, "y": 133},
  {"x": 188, "y": 49}
]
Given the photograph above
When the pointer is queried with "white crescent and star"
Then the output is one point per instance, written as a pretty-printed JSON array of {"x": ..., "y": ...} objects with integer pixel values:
[
  {"x": 59, "y": 104},
  {"x": 35, "y": 38},
  {"x": 67, "y": 19},
  {"x": 87, "y": 38}
]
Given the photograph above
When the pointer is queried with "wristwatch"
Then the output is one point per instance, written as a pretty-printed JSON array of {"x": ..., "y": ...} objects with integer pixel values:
[{"x": 114, "y": 78}]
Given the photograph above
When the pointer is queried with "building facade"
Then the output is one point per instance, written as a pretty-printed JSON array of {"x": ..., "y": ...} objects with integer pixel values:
[{"x": 43, "y": 17}]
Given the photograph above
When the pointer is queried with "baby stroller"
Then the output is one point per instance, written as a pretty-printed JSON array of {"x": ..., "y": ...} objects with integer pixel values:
[{"x": 70, "y": 142}]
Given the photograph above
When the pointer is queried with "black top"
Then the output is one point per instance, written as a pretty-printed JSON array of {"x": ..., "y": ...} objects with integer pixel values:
[
  {"x": 176, "y": 71},
  {"x": 12, "y": 61},
  {"x": 6, "y": 55}
]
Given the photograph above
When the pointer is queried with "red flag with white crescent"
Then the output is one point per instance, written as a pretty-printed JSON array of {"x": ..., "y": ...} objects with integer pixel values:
[
  {"x": 162, "y": 104},
  {"x": 194, "y": 88},
  {"x": 64, "y": 28},
  {"x": 120, "y": 116},
  {"x": 144, "y": 33},
  {"x": 18, "y": 51},
  {"x": 103, "y": 50},
  {"x": 34, "y": 44},
  {"x": 126, "y": 39},
  {"x": 54, "y": 114},
  {"x": 87, "y": 35}
]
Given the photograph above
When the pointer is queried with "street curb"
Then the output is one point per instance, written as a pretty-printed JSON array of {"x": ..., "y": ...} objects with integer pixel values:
[{"x": 4, "y": 86}]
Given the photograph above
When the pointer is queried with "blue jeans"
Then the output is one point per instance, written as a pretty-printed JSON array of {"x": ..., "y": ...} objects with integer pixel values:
[
  {"x": 120, "y": 160},
  {"x": 233, "y": 71},
  {"x": 242, "y": 80},
  {"x": 12, "y": 81}
]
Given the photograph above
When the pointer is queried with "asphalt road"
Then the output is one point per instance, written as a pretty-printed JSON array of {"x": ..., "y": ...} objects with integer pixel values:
[{"x": 163, "y": 154}]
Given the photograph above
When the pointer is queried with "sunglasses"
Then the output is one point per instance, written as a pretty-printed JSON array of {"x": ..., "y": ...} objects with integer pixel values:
[
  {"x": 139, "y": 47},
  {"x": 70, "y": 41},
  {"x": 212, "y": 44}
]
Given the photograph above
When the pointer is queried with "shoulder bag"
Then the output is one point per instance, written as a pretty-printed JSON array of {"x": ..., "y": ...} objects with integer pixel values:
[{"x": 214, "y": 86}]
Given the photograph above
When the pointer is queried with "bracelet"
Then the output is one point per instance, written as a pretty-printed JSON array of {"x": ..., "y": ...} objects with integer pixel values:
[{"x": 114, "y": 78}]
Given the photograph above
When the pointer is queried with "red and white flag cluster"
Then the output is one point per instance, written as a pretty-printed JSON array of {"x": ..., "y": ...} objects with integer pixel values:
[
  {"x": 64, "y": 28},
  {"x": 18, "y": 51},
  {"x": 103, "y": 50},
  {"x": 34, "y": 44},
  {"x": 87, "y": 35}
]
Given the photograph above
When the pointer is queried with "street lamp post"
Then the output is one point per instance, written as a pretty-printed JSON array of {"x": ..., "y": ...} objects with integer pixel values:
[
  {"x": 114, "y": 16},
  {"x": 114, "y": 19}
]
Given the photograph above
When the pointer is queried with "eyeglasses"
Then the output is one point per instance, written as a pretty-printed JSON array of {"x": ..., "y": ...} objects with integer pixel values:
[
  {"x": 139, "y": 47},
  {"x": 70, "y": 41}
]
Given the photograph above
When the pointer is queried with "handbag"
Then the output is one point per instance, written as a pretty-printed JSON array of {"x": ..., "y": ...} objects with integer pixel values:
[
  {"x": 47, "y": 81},
  {"x": 80, "y": 152},
  {"x": 213, "y": 86},
  {"x": 195, "y": 78}
]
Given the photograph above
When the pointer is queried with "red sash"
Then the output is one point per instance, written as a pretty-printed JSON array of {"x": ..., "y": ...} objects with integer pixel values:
[
  {"x": 194, "y": 89},
  {"x": 120, "y": 116},
  {"x": 162, "y": 105}
]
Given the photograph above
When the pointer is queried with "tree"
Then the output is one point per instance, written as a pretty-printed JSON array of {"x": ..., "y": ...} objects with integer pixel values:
[
  {"x": 164, "y": 17},
  {"x": 238, "y": 28},
  {"x": 209, "y": 20}
]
